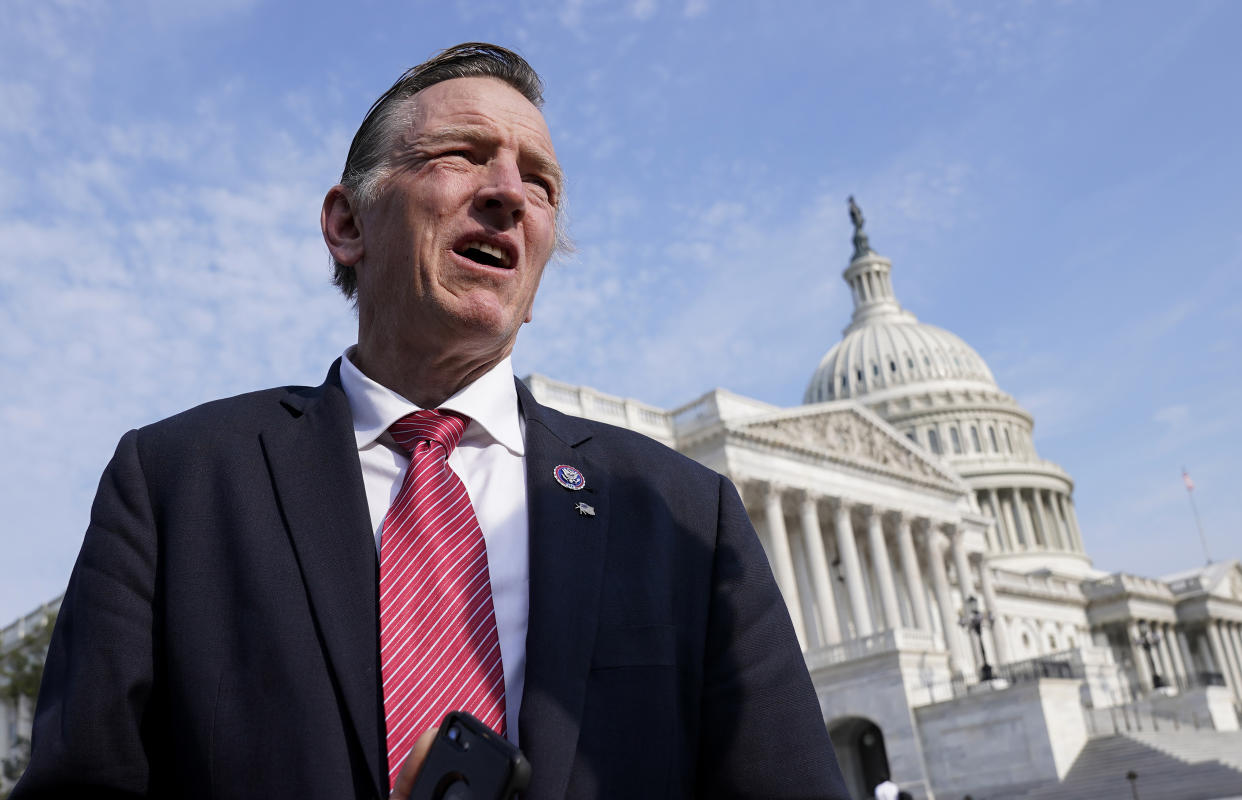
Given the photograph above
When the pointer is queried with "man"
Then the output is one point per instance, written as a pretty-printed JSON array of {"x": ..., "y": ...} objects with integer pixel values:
[{"x": 249, "y": 615}]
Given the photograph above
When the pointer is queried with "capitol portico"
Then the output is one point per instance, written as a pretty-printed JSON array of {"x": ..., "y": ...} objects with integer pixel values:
[{"x": 905, "y": 493}]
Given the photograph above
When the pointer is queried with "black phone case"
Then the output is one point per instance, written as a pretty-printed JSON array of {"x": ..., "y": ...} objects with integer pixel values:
[{"x": 469, "y": 761}]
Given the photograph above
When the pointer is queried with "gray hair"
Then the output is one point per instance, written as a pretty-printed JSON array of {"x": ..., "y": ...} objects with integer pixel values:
[{"x": 369, "y": 160}]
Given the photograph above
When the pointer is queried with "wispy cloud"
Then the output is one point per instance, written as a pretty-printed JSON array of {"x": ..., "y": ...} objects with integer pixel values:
[
  {"x": 695, "y": 8},
  {"x": 643, "y": 10}
]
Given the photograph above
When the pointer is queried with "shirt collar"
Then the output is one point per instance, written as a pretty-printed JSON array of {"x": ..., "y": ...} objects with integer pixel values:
[{"x": 490, "y": 402}]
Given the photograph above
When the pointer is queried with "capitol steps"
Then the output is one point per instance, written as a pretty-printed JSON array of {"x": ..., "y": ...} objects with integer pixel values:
[{"x": 1185, "y": 765}]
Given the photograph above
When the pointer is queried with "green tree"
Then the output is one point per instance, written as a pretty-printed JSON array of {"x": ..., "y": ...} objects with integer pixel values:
[{"x": 21, "y": 670}]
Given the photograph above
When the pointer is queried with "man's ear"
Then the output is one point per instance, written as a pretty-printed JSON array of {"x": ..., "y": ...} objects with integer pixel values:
[{"x": 341, "y": 226}]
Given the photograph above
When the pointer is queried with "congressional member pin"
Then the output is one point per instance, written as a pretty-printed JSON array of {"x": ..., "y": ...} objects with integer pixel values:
[{"x": 569, "y": 477}]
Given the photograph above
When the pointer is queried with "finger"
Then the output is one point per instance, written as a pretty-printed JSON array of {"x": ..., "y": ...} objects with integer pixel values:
[{"x": 404, "y": 783}]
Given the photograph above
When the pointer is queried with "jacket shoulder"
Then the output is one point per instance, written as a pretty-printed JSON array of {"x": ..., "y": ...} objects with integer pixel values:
[{"x": 240, "y": 414}]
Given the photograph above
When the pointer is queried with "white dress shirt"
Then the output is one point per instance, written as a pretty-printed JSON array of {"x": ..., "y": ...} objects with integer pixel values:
[{"x": 491, "y": 462}]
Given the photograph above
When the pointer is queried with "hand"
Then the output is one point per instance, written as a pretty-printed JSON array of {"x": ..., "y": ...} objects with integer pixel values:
[{"x": 404, "y": 783}]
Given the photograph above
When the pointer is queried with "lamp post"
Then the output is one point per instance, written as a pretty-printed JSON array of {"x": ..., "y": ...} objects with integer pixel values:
[
  {"x": 975, "y": 620},
  {"x": 1147, "y": 639}
]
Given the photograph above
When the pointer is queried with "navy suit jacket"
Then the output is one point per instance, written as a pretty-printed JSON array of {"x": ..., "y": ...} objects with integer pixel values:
[{"x": 219, "y": 635}]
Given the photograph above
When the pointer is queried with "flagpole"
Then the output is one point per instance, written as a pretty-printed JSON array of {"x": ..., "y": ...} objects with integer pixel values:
[{"x": 1190, "y": 493}]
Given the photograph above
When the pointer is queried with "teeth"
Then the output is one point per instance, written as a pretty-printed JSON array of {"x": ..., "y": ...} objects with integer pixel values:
[{"x": 491, "y": 250}]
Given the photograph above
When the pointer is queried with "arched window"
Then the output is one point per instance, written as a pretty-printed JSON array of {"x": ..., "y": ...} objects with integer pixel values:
[
  {"x": 892, "y": 365},
  {"x": 1008, "y": 442},
  {"x": 956, "y": 440},
  {"x": 992, "y": 436},
  {"x": 875, "y": 369},
  {"x": 974, "y": 439},
  {"x": 933, "y": 440}
]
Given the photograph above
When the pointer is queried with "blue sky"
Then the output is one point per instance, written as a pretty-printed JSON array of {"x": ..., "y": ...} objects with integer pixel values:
[{"x": 1055, "y": 182}]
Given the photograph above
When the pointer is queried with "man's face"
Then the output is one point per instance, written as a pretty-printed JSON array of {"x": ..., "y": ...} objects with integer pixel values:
[{"x": 456, "y": 242}]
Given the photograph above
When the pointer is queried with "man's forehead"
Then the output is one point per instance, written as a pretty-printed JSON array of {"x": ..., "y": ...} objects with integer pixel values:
[
  {"x": 478, "y": 95},
  {"x": 467, "y": 110}
]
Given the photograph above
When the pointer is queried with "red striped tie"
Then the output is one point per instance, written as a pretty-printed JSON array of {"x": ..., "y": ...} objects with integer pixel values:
[{"x": 438, "y": 645}]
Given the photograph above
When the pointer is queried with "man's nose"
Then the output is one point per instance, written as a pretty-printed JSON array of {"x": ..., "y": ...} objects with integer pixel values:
[{"x": 503, "y": 193}]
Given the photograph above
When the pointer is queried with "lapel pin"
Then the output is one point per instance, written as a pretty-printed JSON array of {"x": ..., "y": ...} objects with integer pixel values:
[
  {"x": 585, "y": 510},
  {"x": 569, "y": 477}
]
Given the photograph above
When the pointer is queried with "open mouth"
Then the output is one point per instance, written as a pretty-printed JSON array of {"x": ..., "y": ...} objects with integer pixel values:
[{"x": 484, "y": 253}]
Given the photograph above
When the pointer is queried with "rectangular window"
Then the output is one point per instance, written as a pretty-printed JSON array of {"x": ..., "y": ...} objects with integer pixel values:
[{"x": 933, "y": 441}]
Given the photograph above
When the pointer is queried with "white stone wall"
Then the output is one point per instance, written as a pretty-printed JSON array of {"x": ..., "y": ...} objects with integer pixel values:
[{"x": 1021, "y": 736}]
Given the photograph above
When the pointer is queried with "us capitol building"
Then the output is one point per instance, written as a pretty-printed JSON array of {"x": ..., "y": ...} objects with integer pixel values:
[{"x": 958, "y": 636}]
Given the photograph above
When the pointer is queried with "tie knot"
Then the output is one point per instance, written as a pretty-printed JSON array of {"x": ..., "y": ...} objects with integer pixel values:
[{"x": 445, "y": 428}]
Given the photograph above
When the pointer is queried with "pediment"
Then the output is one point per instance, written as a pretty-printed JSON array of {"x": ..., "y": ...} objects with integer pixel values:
[
  {"x": 1229, "y": 585},
  {"x": 849, "y": 434}
]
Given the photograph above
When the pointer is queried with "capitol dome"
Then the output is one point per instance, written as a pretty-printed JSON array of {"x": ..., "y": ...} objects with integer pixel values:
[
  {"x": 936, "y": 390},
  {"x": 886, "y": 347},
  {"x": 901, "y": 352}
]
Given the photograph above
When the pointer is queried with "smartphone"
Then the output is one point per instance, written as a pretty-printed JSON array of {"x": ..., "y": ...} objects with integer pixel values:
[{"x": 470, "y": 761}]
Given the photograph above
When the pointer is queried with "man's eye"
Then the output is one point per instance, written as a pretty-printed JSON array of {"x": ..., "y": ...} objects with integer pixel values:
[{"x": 541, "y": 184}]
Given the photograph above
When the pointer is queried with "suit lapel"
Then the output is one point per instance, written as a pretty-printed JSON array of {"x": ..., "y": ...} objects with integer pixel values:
[
  {"x": 567, "y": 551},
  {"x": 314, "y": 465}
]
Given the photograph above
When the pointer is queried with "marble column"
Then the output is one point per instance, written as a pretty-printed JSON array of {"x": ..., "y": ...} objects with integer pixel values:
[
  {"x": 940, "y": 583},
  {"x": 853, "y": 570},
  {"x": 1058, "y": 510},
  {"x": 1003, "y": 536},
  {"x": 1041, "y": 524},
  {"x": 965, "y": 581},
  {"x": 782, "y": 560},
  {"x": 811, "y": 622},
  {"x": 914, "y": 578},
  {"x": 1231, "y": 629},
  {"x": 1228, "y": 662},
  {"x": 965, "y": 585},
  {"x": 1163, "y": 659},
  {"x": 990, "y": 534},
  {"x": 1000, "y": 632},
  {"x": 883, "y": 567},
  {"x": 1139, "y": 655},
  {"x": 1219, "y": 659},
  {"x": 1034, "y": 538},
  {"x": 1048, "y": 519},
  {"x": 1183, "y": 647},
  {"x": 1054, "y": 502},
  {"x": 824, "y": 598},
  {"x": 1179, "y": 666},
  {"x": 1022, "y": 538},
  {"x": 1072, "y": 517}
]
